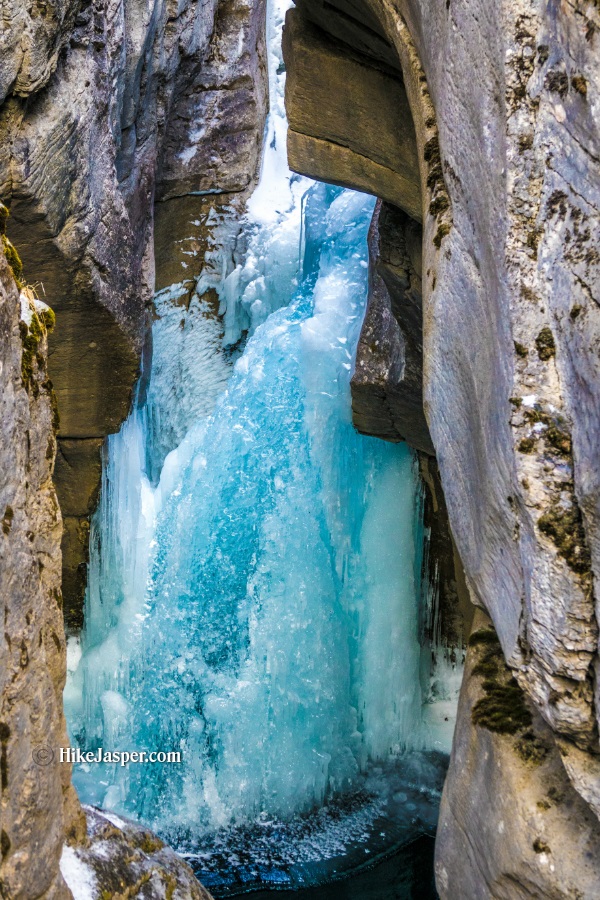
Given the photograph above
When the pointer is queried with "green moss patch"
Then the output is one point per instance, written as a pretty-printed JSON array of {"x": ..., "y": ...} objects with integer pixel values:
[
  {"x": 48, "y": 317},
  {"x": 439, "y": 204},
  {"x": 531, "y": 749},
  {"x": 7, "y": 519},
  {"x": 485, "y": 637},
  {"x": 541, "y": 846},
  {"x": 30, "y": 338},
  {"x": 443, "y": 230},
  {"x": 502, "y": 708},
  {"x": 556, "y": 433},
  {"x": 557, "y": 82},
  {"x": 544, "y": 342},
  {"x": 147, "y": 842},
  {"x": 526, "y": 445},
  {"x": 579, "y": 83},
  {"x": 564, "y": 527},
  {"x": 12, "y": 257}
]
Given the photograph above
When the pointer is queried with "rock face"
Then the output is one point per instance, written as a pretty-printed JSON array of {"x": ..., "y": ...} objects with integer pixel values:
[
  {"x": 122, "y": 860},
  {"x": 349, "y": 118},
  {"x": 504, "y": 107},
  {"x": 387, "y": 385},
  {"x": 105, "y": 109},
  {"x": 511, "y": 774},
  {"x": 38, "y": 805}
]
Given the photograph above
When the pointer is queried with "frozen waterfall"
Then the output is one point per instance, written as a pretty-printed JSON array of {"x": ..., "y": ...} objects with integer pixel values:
[{"x": 253, "y": 597}]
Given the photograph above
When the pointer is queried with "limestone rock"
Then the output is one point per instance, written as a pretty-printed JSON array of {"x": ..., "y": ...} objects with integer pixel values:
[
  {"x": 450, "y": 625},
  {"x": 350, "y": 122},
  {"x": 511, "y": 824},
  {"x": 387, "y": 384},
  {"x": 511, "y": 318},
  {"x": 137, "y": 105},
  {"x": 504, "y": 101},
  {"x": 38, "y": 805},
  {"x": 355, "y": 25},
  {"x": 121, "y": 860}
]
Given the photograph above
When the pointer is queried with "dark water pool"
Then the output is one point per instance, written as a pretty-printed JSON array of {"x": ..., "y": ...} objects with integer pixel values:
[
  {"x": 374, "y": 843},
  {"x": 405, "y": 875}
]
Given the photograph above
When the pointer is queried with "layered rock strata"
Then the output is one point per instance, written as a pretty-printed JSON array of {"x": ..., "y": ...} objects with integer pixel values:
[
  {"x": 503, "y": 102},
  {"x": 349, "y": 118},
  {"x": 105, "y": 109}
]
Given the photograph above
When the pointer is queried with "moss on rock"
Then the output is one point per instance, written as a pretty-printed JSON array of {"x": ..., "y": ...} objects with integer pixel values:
[
  {"x": 502, "y": 708},
  {"x": 544, "y": 342},
  {"x": 564, "y": 527},
  {"x": 531, "y": 749},
  {"x": 7, "y": 519}
]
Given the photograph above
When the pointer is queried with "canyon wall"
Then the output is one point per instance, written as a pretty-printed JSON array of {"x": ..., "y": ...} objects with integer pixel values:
[
  {"x": 477, "y": 125},
  {"x": 37, "y": 802},
  {"x": 110, "y": 111},
  {"x": 503, "y": 102},
  {"x": 50, "y": 849}
]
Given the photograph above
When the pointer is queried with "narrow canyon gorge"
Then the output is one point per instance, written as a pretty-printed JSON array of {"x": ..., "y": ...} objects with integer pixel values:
[{"x": 299, "y": 466}]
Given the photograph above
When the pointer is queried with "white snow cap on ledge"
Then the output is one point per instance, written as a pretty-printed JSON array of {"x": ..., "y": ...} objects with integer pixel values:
[{"x": 30, "y": 304}]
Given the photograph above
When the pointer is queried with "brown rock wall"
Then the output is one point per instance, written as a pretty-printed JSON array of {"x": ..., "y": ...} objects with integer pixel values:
[
  {"x": 350, "y": 122},
  {"x": 37, "y": 803}
]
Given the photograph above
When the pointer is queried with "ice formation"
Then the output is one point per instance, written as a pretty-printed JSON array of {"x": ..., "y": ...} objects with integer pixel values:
[{"x": 254, "y": 601}]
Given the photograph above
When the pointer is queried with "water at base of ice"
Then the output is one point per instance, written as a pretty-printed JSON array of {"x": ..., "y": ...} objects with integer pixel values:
[
  {"x": 395, "y": 806},
  {"x": 405, "y": 874}
]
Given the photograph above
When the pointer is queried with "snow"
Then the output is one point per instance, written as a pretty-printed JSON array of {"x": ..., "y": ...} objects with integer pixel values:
[{"x": 79, "y": 877}]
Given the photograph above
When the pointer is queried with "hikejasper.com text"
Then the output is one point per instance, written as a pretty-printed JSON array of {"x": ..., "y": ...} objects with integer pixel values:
[{"x": 122, "y": 757}]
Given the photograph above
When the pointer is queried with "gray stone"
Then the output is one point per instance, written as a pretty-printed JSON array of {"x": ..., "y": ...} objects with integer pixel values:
[
  {"x": 387, "y": 384},
  {"x": 123, "y": 860},
  {"x": 503, "y": 102},
  {"x": 38, "y": 805},
  {"x": 511, "y": 824}
]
